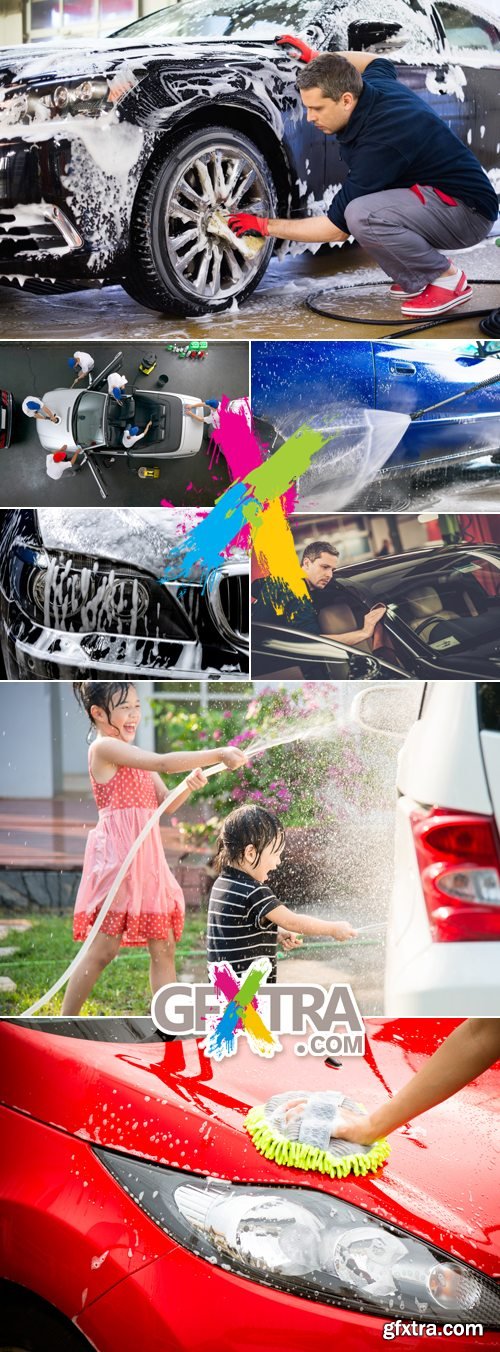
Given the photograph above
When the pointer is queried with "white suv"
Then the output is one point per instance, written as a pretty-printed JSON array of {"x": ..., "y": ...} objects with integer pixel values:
[{"x": 443, "y": 940}]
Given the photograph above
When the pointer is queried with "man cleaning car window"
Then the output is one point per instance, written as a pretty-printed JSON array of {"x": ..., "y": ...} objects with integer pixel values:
[
  {"x": 273, "y": 600},
  {"x": 413, "y": 190}
]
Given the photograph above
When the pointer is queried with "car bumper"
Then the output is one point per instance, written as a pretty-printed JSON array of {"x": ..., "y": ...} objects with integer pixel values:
[
  {"x": 233, "y": 1314},
  {"x": 444, "y": 981},
  {"x": 40, "y": 653},
  {"x": 41, "y": 235}
]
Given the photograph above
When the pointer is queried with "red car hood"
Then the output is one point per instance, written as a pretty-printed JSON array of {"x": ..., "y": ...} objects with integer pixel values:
[{"x": 169, "y": 1103}]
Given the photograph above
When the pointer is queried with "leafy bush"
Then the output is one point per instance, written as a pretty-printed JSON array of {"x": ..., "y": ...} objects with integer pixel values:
[{"x": 306, "y": 782}]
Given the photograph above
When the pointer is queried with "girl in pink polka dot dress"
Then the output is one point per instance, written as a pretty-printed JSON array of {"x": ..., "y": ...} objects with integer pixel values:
[{"x": 149, "y": 906}]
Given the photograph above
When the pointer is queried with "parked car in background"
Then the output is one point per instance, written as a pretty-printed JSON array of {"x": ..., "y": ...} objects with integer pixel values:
[
  {"x": 93, "y": 420},
  {"x": 459, "y": 441},
  {"x": 443, "y": 937},
  {"x": 129, "y": 1184},
  {"x": 442, "y": 620},
  {"x": 84, "y": 593},
  {"x": 114, "y": 160},
  {"x": 6, "y": 409}
]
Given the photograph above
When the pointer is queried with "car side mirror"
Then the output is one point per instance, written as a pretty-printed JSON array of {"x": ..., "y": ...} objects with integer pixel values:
[
  {"x": 363, "y": 34},
  {"x": 389, "y": 709},
  {"x": 294, "y": 647}
]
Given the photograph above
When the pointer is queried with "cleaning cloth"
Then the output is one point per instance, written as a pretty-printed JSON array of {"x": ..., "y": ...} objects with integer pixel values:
[{"x": 305, "y": 1141}]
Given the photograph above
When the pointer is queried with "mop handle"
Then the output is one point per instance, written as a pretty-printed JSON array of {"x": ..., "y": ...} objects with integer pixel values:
[{"x": 492, "y": 380}]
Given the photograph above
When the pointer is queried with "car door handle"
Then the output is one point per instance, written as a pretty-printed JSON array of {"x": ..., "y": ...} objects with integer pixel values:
[{"x": 402, "y": 368}]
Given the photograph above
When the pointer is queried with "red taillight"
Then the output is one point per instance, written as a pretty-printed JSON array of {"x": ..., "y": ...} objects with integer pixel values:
[{"x": 458, "y": 856}]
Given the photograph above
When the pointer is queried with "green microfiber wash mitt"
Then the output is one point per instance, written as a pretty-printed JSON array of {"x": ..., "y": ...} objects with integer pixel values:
[{"x": 305, "y": 1141}]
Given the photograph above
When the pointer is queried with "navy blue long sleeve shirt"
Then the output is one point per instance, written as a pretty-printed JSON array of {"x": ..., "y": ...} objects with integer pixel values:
[{"x": 393, "y": 140}]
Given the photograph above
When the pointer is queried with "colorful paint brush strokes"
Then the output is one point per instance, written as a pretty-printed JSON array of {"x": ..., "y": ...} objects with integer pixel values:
[
  {"x": 253, "y": 511},
  {"x": 241, "y": 1013}
]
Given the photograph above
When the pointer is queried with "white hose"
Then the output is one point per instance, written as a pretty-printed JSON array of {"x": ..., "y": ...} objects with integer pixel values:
[{"x": 254, "y": 750}]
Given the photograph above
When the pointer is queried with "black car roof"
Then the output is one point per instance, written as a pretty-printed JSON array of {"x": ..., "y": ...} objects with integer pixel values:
[{"x": 415, "y": 556}]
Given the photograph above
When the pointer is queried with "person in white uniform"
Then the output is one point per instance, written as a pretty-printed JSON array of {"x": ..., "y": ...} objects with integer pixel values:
[
  {"x": 132, "y": 434},
  {"x": 116, "y": 385},
  {"x": 81, "y": 364},
  {"x": 211, "y": 417},
  {"x": 34, "y": 407}
]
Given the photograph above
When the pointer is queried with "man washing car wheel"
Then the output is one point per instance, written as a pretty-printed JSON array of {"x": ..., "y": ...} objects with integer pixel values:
[{"x": 412, "y": 189}]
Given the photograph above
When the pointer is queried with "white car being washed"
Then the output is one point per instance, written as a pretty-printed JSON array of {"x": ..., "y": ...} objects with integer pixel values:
[
  {"x": 443, "y": 937},
  {"x": 93, "y": 420}
]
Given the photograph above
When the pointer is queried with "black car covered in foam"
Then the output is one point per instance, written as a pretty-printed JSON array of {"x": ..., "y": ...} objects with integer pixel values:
[
  {"x": 85, "y": 593},
  {"x": 113, "y": 161}
]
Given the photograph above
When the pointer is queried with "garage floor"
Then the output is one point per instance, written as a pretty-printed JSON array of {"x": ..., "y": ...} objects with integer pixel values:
[
  {"x": 276, "y": 310},
  {"x": 34, "y": 368}
]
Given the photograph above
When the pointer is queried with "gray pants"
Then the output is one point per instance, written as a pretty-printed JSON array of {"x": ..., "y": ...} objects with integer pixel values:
[{"x": 404, "y": 235}]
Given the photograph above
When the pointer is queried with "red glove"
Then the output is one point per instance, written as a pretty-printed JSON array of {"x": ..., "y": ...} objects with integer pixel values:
[
  {"x": 243, "y": 223},
  {"x": 300, "y": 48}
]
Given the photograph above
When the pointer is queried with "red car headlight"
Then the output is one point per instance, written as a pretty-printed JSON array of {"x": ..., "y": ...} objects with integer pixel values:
[{"x": 311, "y": 1244}]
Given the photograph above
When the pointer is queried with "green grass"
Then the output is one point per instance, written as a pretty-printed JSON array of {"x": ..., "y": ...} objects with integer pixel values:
[{"x": 47, "y": 948}]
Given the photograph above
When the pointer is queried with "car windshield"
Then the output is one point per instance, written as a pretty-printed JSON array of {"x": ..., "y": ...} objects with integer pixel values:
[
  {"x": 447, "y": 602},
  {"x": 88, "y": 419},
  {"x": 194, "y": 19}
]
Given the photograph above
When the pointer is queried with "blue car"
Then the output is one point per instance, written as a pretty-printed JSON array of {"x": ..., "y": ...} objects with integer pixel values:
[{"x": 294, "y": 382}]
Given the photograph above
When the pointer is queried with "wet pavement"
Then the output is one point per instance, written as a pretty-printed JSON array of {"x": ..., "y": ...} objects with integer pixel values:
[
  {"x": 277, "y": 309},
  {"x": 35, "y": 368}
]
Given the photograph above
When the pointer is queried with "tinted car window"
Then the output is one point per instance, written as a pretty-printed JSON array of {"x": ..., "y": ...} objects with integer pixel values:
[
  {"x": 466, "y": 29},
  {"x": 391, "y": 581},
  {"x": 488, "y": 693}
]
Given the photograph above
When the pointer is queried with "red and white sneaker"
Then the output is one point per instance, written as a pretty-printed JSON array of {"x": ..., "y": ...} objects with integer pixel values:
[
  {"x": 396, "y": 290},
  {"x": 435, "y": 299}
]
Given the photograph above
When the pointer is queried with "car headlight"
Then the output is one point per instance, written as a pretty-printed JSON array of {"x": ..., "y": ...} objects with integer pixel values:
[
  {"x": 83, "y": 98},
  {"x": 308, "y": 1243}
]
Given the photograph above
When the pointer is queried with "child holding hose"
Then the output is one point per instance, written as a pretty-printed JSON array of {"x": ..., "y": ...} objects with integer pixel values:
[
  {"x": 149, "y": 906},
  {"x": 245, "y": 919}
]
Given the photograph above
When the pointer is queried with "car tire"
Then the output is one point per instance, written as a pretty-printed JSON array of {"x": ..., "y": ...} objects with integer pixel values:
[
  {"x": 160, "y": 276},
  {"x": 28, "y": 1325}
]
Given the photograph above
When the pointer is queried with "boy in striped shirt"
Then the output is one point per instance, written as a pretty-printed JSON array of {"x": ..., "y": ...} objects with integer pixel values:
[{"x": 245, "y": 918}]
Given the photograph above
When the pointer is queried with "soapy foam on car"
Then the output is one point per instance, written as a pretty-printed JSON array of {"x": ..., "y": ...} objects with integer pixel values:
[{"x": 141, "y": 538}]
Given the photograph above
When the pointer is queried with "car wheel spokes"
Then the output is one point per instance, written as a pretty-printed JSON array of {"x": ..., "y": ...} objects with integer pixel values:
[
  {"x": 242, "y": 187},
  {"x": 218, "y": 179}
]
